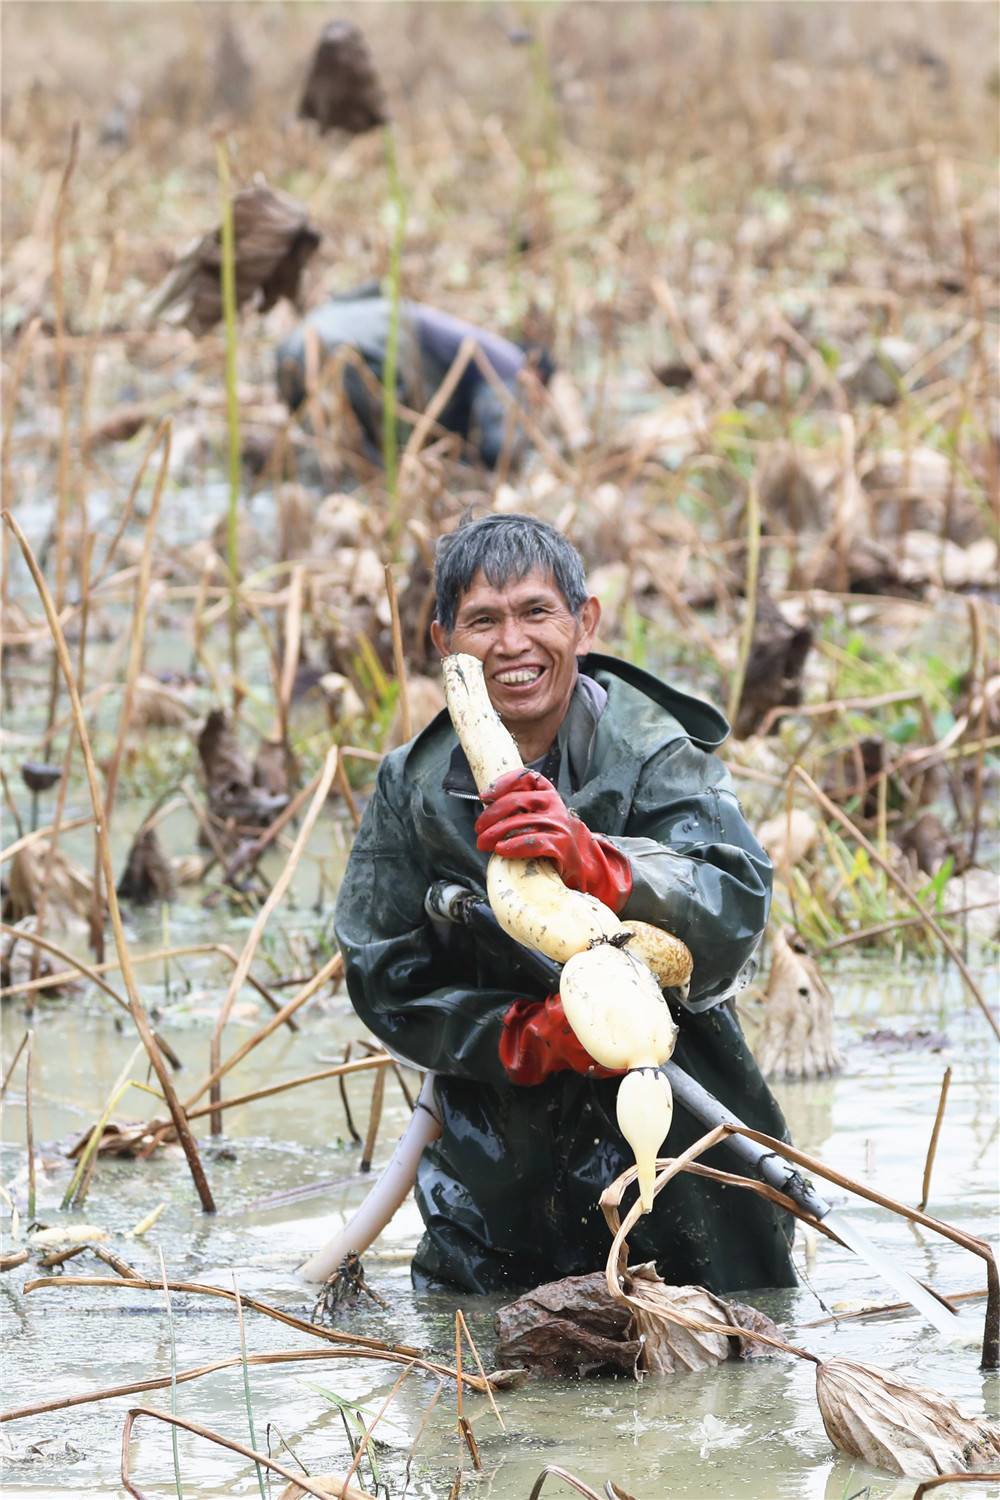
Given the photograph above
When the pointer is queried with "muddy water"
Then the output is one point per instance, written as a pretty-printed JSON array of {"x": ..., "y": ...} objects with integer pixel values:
[{"x": 742, "y": 1430}]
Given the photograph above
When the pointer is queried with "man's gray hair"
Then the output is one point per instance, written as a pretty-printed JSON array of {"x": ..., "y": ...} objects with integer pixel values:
[{"x": 504, "y": 547}]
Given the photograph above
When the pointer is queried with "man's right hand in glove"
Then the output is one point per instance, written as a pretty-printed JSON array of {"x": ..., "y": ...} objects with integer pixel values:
[
  {"x": 525, "y": 818},
  {"x": 538, "y": 1040}
]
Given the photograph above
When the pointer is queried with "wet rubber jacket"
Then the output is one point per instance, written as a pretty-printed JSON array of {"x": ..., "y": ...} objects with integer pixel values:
[{"x": 509, "y": 1194}]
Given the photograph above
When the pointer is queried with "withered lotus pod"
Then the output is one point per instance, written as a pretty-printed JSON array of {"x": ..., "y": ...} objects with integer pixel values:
[
  {"x": 343, "y": 90},
  {"x": 38, "y": 777}
]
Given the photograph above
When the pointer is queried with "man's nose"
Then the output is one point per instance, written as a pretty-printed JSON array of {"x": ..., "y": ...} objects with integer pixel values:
[{"x": 512, "y": 636}]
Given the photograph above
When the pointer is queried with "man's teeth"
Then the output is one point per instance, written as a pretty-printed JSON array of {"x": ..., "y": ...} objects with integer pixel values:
[{"x": 512, "y": 679}]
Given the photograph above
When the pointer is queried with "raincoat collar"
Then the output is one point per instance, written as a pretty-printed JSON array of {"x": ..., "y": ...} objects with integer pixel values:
[
  {"x": 573, "y": 742},
  {"x": 702, "y": 722}
]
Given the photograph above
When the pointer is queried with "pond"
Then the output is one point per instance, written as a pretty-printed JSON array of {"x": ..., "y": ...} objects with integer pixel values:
[
  {"x": 722, "y": 219},
  {"x": 285, "y": 1175}
]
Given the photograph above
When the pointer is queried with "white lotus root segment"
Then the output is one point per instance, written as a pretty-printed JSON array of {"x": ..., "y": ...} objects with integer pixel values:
[
  {"x": 613, "y": 1003},
  {"x": 532, "y": 905},
  {"x": 613, "y": 970},
  {"x": 645, "y": 1108},
  {"x": 489, "y": 747}
]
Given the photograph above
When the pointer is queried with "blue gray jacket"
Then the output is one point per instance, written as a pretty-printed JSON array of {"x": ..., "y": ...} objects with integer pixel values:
[{"x": 428, "y": 343}]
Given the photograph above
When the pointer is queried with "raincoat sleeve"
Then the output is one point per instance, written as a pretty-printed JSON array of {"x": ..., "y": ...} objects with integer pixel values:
[
  {"x": 697, "y": 870},
  {"x": 422, "y": 1001}
]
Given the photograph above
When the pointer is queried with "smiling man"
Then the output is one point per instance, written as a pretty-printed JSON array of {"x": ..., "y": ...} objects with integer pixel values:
[{"x": 621, "y": 790}]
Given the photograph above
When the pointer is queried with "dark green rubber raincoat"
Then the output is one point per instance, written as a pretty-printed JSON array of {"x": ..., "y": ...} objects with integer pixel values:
[{"x": 509, "y": 1194}]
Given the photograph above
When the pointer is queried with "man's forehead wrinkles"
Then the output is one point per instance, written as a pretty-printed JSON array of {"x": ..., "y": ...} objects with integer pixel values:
[{"x": 526, "y": 603}]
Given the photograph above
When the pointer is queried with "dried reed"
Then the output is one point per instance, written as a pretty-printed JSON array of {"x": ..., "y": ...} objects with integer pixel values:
[
  {"x": 134, "y": 1003},
  {"x": 257, "y": 931},
  {"x": 932, "y": 1144},
  {"x": 262, "y": 1460}
]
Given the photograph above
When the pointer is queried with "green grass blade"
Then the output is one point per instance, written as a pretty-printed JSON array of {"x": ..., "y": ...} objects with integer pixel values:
[
  {"x": 246, "y": 1385},
  {"x": 173, "y": 1381}
]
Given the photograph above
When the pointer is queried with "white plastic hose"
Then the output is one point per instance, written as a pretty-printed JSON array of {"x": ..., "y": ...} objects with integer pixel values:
[{"x": 388, "y": 1193}]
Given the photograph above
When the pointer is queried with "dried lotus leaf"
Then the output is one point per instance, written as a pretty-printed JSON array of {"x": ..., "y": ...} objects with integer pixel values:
[
  {"x": 788, "y": 838},
  {"x": 148, "y": 876},
  {"x": 796, "y": 1038},
  {"x": 223, "y": 758},
  {"x": 330, "y": 1484},
  {"x": 272, "y": 240},
  {"x": 187, "y": 869},
  {"x": 564, "y": 1326},
  {"x": 343, "y": 90},
  {"x": 39, "y": 777},
  {"x": 774, "y": 668},
  {"x": 118, "y": 1138},
  {"x": 752, "y": 1320},
  {"x": 898, "y": 1426},
  {"x": 70, "y": 890},
  {"x": 668, "y": 1345},
  {"x": 158, "y": 706}
]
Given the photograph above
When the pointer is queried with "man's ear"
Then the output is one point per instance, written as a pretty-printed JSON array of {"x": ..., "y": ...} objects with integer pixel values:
[
  {"x": 590, "y": 618},
  {"x": 440, "y": 640}
]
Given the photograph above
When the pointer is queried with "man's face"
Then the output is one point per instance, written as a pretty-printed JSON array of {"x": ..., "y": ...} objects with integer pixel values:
[{"x": 528, "y": 640}]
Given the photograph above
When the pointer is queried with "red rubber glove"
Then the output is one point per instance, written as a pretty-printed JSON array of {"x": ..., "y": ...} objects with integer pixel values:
[
  {"x": 538, "y": 1040},
  {"x": 526, "y": 818}
]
